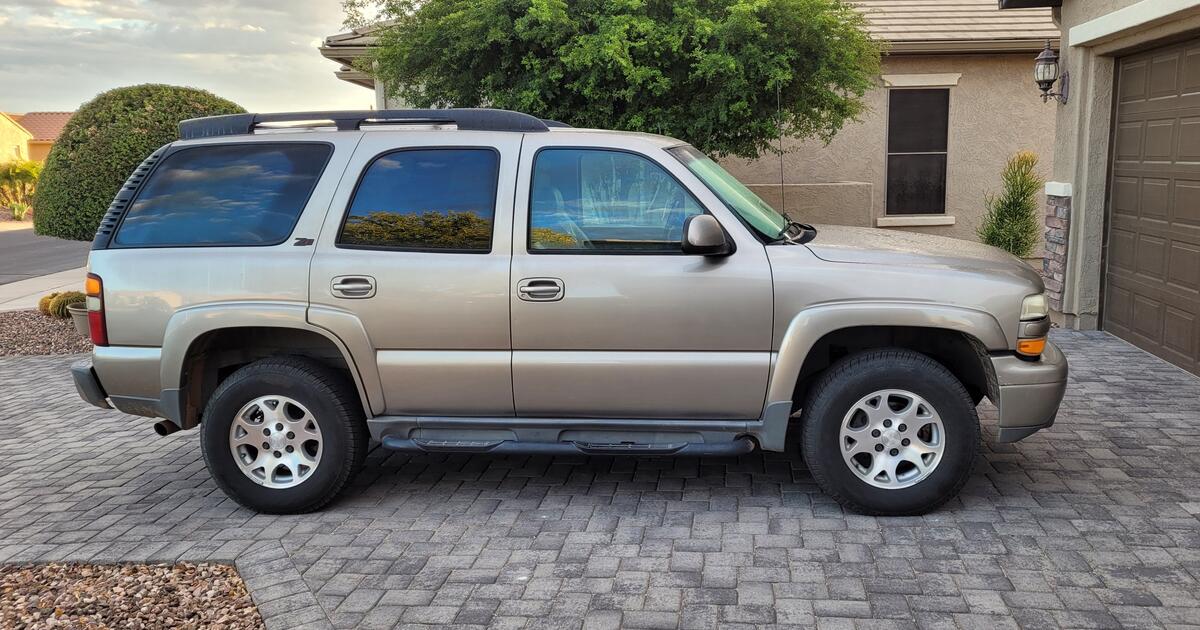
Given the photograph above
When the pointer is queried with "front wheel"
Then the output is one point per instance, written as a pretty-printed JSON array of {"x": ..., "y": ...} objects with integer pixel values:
[
  {"x": 283, "y": 435},
  {"x": 890, "y": 433}
]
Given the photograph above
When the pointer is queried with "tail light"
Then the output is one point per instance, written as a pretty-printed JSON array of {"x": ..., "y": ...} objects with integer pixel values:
[{"x": 94, "y": 288}]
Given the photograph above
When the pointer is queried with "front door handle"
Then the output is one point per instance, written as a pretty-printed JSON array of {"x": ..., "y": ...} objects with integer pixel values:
[
  {"x": 540, "y": 289},
  {"x": 353, "y": 287}
]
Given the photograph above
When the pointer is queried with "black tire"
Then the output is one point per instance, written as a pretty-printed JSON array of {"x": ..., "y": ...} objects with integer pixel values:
[
  {"x": 336, "y": 410},
  {"x": 857, "y": 376}
]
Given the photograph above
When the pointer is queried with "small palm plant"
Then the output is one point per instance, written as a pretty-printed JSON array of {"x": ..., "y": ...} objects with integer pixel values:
[{"x": 1013, "y": 218}]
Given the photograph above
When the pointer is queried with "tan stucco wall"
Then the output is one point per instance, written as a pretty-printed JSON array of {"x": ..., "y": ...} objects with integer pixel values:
[
  {"x": 39, "y": 150},
  {"x": 14, "y": 140},
  {"x": 995, "y": 111},
  {"x": 1084, "y": 127}
]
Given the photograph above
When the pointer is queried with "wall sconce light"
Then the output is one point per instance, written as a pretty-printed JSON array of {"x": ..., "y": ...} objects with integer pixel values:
[{"x": 1045, "y": 73}]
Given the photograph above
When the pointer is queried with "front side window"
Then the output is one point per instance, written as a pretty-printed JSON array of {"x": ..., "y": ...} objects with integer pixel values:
[
  {"x": 918, "y": 125},
  {"x": 425, "y": 199},
  {"x": 601, "y": 200},
  {"x": 247, "y": 194}
]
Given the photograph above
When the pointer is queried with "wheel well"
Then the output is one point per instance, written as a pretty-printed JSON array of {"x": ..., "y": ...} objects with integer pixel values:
[
  {"x": 962, "y": 354},
  {"x": 216, "y": 354}
]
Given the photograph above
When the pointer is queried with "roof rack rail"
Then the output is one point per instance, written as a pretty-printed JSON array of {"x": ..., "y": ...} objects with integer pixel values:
[{"x": 467, "y": 119}]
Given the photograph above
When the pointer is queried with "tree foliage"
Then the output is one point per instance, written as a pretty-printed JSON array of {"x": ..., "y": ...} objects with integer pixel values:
[
  {"x": 18, "y": 182},
  {"x": 1013, "y": 219},
  {"x": 430, "y": 229},
  {"x": 728, "y": 76},
  {"x": 102, "y": 144}
]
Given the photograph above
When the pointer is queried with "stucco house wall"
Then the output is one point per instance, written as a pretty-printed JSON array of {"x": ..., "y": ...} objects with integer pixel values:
[
  {"x": 845, "y": 181},
  {"x": 39, "y": 150},
  {"x": 14, "y": 140},
  {"x": 1094, "y": 34}
]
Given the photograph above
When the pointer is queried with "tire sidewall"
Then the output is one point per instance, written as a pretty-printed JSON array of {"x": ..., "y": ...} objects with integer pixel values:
[
  {"x": 218, "y": 419},
  {"x": 822, "y": 435}
]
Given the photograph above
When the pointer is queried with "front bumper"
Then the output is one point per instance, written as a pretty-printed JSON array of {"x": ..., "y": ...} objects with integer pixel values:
[
  {"x": 88, "y": 385},
  {"x": 1028, "y": 393}
]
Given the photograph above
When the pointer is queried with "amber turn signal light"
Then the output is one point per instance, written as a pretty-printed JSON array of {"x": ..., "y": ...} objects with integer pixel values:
[
  {"x": 1031, "y": 347},
  {"x": 91, "y": 286}
]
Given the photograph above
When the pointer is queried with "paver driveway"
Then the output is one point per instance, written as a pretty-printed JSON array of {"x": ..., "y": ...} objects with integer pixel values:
[{"x": 1093, "y": 523}]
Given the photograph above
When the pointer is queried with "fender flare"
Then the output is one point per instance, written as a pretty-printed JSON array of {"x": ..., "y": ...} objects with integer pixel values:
[
  {"x": 811, "y": 324},
  {"x": 187, "y": 325}
]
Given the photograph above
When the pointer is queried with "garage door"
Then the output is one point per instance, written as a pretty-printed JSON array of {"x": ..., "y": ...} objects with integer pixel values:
[{"x": 1152, "y": 279}]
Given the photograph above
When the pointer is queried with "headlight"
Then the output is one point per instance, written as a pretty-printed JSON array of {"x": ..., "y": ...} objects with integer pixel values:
[{"x": 1034, "y": 307}]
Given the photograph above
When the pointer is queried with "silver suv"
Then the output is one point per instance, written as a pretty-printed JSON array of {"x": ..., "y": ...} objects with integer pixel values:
[{"x": 483, "y": 281}]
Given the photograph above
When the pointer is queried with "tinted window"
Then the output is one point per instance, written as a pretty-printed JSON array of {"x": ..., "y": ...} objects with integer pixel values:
[
  {"x": 918, "y": 122},
  {"x": 588, "y": 199},
  {"x": 249, "y": 194},
  {"x": 425, "y": 199}
]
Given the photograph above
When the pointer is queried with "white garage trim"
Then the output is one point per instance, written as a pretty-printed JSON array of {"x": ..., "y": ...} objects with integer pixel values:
[{"x": 1143, "y": 13}]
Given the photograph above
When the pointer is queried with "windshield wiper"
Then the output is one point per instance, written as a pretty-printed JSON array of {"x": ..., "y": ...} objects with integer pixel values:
[{"x": 796, "y": 232}]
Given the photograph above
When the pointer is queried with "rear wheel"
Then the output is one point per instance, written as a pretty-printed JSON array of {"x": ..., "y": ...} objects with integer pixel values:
[
  {"x": 283, "y": 435},
  {"x": 890, "y": 432}
]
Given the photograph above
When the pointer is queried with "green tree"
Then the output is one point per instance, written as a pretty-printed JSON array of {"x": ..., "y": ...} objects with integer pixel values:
[
  {"x": 18, "y": 181},
  {"x": 443, "y": 230},
  {"x": 728, "y": 76},
  {"x": 102, "y": 144},
  {"x": 1013, "y": 218}
]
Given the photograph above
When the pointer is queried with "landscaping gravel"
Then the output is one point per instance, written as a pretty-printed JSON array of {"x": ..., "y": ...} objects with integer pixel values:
[
  {"x": 90, "y": 596},
  {"x": 30, "y": 332}
]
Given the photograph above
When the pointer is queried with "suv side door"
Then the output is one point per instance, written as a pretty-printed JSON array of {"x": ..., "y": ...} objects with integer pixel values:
[
  {"x": 609, "y": 318},
  {"x": 416, "y": 248}
]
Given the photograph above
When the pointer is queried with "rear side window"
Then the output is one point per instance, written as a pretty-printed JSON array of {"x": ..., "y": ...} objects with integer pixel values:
[
  {"x": 427, "y": 200},
  {"x": 249, "y": 194}
]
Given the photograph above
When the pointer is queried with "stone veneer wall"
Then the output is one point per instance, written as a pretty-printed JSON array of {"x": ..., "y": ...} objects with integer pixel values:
[{"x": 1054, "y": 265}]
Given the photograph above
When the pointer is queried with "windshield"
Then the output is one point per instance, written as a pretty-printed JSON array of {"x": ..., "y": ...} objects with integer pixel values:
[{"x": 755, "y": 212}]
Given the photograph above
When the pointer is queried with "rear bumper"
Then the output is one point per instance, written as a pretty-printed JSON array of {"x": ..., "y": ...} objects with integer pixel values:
[
  {"x": 167, "y": 404},
  {"x": 1028, "y": 393},
  {"x": 88, "y": 385}
]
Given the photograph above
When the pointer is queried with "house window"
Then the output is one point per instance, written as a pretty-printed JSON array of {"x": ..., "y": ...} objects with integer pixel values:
[{"x": 918, "y": 123}]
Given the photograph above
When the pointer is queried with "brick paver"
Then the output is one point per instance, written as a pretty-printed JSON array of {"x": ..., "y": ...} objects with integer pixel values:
[{"x": 1093, "y": 523}]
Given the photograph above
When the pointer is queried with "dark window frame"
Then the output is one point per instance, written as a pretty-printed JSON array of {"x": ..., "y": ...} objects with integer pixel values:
[
  {"x": 337, "y": 237},
  {"x": 888, "y": 153},
  {"x": 603, "y": 252},
  {"x": 141, "y": 189}
]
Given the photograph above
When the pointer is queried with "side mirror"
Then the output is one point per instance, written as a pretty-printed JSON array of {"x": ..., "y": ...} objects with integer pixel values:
[{"x": 702, "y": 235}]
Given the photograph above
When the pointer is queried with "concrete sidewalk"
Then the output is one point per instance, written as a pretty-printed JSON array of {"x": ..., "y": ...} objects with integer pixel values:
[{"x": 24, "y": 294}]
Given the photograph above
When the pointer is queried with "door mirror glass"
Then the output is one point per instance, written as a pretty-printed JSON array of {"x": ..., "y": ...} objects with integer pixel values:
[{"x": 702, "y": 235}]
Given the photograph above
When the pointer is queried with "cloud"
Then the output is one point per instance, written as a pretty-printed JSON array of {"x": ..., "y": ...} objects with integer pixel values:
[{"x": 258, "y": 53}]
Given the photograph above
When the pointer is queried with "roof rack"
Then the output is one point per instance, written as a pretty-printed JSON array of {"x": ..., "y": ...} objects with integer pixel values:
[{"x": 467, "y": 119}]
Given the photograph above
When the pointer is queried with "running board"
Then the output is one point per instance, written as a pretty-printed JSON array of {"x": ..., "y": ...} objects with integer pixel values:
[
  {"x": 739, "y": 446},
  {"x": 567, "y": 436}
]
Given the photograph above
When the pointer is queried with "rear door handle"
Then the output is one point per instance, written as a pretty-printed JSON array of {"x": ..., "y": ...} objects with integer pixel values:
[
  {"x": 353, "y": 287},
  {"x": 540, "y": 289}
]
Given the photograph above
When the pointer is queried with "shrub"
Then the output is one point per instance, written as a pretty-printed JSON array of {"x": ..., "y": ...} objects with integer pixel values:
[
  {"x": 44, "y": 303},
  {"x": 18, "y": 181},
  {"x": 1013, "y": 219},
  {"x": 58, "y": 305},
  {"x": 19, "y": 211},
  {"x": 729, "y": 76},
  {"x": 102, "y": 144}
]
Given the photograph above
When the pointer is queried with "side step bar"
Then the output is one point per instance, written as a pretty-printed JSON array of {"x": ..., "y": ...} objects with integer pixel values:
[{"x": 739, "y": 446}]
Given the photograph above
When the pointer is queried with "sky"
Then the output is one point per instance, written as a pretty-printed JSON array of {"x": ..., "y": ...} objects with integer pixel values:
[{"x": 262, "y": 54}]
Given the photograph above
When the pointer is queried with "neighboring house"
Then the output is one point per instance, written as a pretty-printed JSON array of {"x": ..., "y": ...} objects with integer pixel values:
[
  {"x": 1124, "y": 203},
  {"x": 956, "y": 100},
  {"x": 14, "y": 139},
  {"x": 30, "y": 136}
]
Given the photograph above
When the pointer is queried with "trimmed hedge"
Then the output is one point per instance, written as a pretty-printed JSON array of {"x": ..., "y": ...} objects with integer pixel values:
[{"x": 102, "y": 144}]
